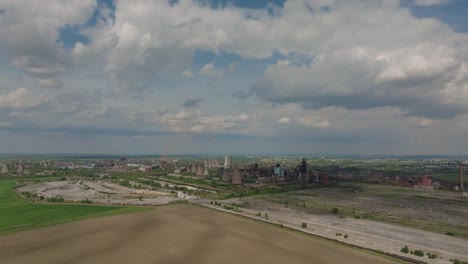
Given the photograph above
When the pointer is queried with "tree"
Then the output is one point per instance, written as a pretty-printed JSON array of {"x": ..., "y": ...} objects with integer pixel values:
[{"x": 140, "y": 198}]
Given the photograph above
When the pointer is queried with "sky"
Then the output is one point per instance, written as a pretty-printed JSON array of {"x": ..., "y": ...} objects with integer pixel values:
[{"x": 368, "y": 77}]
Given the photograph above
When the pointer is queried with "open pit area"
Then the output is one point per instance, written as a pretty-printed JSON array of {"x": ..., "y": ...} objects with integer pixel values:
[
  {"x": 174, "y": 234},
  {"x": 380, "y": 217},
  {"x": 98, "y": 192},
  {"x": 436, "y": 211}
]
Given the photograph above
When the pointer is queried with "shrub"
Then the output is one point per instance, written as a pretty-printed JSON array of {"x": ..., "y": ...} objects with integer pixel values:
[
  {"x": 140, "y": 198},
  {"x": 304, "y": 225},
  {"x": 418, "y": 253},
  {"x": 450, "y": 233},
  {"x": 432, "y": 255},
  {"x": 338, "y": 234},
  {"x": 346, "y": 236},
  {"x": 456, "y": 261},
  {"x": 334, "y": 210},
  {"x": 405, "y": 250}
]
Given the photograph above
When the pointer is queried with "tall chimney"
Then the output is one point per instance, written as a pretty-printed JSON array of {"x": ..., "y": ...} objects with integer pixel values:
[{"x": 460, "y": 166}]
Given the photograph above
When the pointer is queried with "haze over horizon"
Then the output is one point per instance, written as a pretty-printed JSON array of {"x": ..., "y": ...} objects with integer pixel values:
[{"x": 365, "y": 77}]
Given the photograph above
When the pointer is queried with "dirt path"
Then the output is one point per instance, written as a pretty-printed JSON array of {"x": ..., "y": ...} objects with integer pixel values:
[{"x": 173, "y": 234}]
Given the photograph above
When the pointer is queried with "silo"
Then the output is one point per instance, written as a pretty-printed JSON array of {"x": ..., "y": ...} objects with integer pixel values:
[{"x": 236, "y": 176}]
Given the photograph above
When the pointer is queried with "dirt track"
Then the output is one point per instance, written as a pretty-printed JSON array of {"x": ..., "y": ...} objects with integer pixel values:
[{"x": 173, "y": 234}]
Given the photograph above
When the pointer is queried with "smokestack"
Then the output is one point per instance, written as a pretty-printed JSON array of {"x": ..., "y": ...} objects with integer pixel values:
[
  {"x": 460, "y": 167},
  {"x": 5, "y": 168},
  {"x": 236, "y": 176}
]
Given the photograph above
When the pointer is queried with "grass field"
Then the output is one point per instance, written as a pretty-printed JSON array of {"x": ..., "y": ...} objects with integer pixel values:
[{"x": 18, "y": 214}]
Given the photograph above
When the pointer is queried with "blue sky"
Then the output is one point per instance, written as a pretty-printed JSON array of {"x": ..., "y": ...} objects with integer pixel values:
[{"x": 311, "y": 76}]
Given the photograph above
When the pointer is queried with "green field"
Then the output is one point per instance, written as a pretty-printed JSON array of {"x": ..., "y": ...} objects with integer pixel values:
[{"x": 17, "y": 214}]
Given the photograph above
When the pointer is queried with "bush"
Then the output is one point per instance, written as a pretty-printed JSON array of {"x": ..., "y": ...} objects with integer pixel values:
[
  {"x": 418, "y": 253},
  {"x": 346, "y": 236},
  {"x": 304, "y": 225},
  {"x": 56, "y": 199},
  {"x": 334, "y": 210},
  {"x": 338, "y": 234},
  {"x": 450, "y": 233},
  {"x": 140, "y": 198},
  {"x": 87, "y": 201},
  {"x": 456, "y": 261},
  {"x": 405, "y": 250},
  {"x": 432, "y": 255}
]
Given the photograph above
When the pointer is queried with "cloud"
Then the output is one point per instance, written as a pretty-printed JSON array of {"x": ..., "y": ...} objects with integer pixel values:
[
  {"x": 308, "y": 122},
  {"x": 430, "y": 2},
  {"x": 192, "y": 102},
  {"x": 416, "y": 67},
  {"x": 29, "y": 32},
  {"x": 50, "y": 83},
  {"x": 241, "y": 95},
  {"x": 284, "y": 120},
  {"x": 187, "y": 73},
  {"x": 37, "y": 67},
  {"x": 5, "y": 124},
  {"x": 21, "y": 98},
  {"x": 232, "y": 66},
  {"x": 210, "y": 70},
  {"x": 425, "y": 122}
]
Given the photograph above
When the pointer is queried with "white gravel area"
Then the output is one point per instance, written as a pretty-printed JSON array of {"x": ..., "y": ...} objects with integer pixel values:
[{"x": 379, "y": 236}]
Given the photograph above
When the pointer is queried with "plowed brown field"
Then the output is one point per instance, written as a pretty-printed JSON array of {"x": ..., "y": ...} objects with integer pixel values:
[{"x": 173, "y": 234}]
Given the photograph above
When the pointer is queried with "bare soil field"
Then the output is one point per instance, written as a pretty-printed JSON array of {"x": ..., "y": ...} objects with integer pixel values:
[{"x": 174, "y": 234}]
